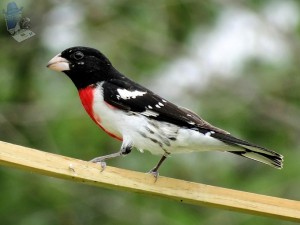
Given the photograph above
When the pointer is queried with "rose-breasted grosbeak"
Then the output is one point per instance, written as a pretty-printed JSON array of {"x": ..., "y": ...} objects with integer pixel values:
[{"x": 140, "y": 118}]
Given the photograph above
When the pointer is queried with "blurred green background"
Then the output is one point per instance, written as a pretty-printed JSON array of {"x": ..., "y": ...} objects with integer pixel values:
[{"x": 236, "y": 63}]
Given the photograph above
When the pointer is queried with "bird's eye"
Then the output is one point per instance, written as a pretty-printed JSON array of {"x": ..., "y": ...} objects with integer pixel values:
[{"x": 78, "y": 55}]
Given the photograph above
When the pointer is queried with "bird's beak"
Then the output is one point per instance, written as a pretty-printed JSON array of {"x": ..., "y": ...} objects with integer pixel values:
[{"x": 58, "y": 63}]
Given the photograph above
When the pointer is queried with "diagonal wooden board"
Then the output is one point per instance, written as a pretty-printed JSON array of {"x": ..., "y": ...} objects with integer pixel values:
[{"x": 188, "y": 192}]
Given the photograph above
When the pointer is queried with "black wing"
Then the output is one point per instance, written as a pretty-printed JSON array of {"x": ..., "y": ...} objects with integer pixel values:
[{"x": 153, "y": 106}]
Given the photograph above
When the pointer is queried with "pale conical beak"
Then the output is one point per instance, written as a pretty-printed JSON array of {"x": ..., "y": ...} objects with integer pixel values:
[{"x": 58, "y": 63}]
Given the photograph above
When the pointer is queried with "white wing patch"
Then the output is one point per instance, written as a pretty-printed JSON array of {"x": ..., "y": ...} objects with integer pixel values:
[
  {"x": 209, "y": 133},
  {"x": 125, "y": 94},
  {"x": 149, "y": 113}
]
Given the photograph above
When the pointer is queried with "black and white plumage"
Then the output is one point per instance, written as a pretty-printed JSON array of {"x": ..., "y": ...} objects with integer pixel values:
[{"x": 142, "y": 119}]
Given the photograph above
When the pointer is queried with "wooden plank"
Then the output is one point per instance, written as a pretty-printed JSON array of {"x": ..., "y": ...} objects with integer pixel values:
[{"x": 188, "y": 192}]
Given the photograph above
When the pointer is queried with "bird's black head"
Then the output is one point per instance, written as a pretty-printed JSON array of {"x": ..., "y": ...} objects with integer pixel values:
[{"x": 85, "y": 66}]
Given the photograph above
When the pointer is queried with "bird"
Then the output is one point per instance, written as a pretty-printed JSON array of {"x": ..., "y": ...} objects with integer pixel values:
[{"x": 140, "y": 118}]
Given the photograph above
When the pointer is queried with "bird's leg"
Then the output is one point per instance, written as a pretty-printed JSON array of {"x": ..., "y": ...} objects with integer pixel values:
[
  {"x": 154, "y": 171},
  {"x": 125, "y": 149}
]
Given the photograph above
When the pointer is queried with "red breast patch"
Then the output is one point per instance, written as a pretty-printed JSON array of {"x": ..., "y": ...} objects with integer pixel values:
[{"x": 87, "y": 98}]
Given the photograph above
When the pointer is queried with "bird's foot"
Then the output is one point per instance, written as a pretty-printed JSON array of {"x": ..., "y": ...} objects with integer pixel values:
[
  {"x": 154, "y": 173},
  {"x": 99, "y": 160}
]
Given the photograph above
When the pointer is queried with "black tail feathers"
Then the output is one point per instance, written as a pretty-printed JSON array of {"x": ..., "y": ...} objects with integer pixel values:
[{"x": 269, "y": 157}]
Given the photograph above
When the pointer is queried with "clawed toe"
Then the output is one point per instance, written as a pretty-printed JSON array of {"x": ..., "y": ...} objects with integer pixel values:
[
  {"x": 103, "y": 165},
  {"x": 154, "y": 173},
  {"x": 99, "y": 161}
]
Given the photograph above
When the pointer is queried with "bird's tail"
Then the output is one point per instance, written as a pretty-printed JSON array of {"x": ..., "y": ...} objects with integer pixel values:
[
  {"x": 260, "y": 154},
  {"x": 251, "y": 151},
  {"x": 270, "y": 158}
]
